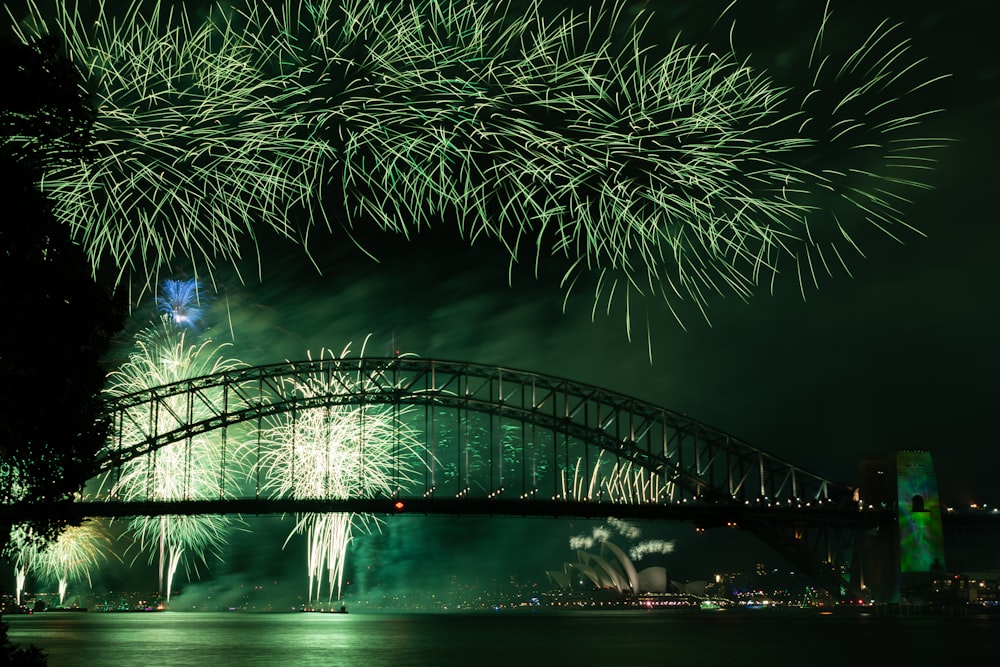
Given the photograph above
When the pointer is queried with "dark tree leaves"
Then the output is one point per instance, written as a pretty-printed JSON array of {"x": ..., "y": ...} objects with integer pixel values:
[
  {"x": 56, "y": 320},
  {"x": 46, "y": 115}
]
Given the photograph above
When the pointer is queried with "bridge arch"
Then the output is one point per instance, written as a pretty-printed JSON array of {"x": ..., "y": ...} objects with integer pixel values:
[
  {"x": 472, "y": 438},
  {"x": 695, "y": 461}
]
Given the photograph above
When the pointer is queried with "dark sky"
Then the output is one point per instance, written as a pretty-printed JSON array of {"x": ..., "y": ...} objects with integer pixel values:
[{"x": 903, "y": 355}]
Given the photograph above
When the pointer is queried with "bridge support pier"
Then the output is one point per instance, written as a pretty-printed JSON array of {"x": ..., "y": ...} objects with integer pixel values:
[{"x": 893, "y": 559}]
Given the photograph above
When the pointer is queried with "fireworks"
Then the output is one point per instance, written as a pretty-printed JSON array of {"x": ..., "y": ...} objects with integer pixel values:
[
  {"x": 673, "y": 174},
  {"x": 180, "y": 471},
  {"x": 193, "y": 143},
  {"x": 330, "y": 451},
  {"x": 22, "y": 549},
  {"x": 182, "y": 302},
  {"x": 167, "y": 539},
  {"x": 71, "y": 556},
  {"x": 600, "y": 535},
  {"x": 867, "y": 157}
]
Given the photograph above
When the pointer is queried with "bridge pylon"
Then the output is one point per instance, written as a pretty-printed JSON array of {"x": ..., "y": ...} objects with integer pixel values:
[{"x": 891, "y": 559}]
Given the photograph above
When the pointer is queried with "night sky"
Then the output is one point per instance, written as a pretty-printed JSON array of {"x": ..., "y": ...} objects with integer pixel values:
[
  {"x": 900, "y": 356},
  {"x": 903, "y": 355}
]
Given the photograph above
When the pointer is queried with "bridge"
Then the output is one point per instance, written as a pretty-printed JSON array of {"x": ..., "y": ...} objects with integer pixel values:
[{"x": 405, "y": 434}]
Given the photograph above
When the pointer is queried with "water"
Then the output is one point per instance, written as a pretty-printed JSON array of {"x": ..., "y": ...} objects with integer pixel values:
[{"x": 608, "y": 639}]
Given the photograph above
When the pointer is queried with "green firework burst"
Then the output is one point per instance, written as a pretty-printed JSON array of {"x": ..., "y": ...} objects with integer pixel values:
[{"x": 673, "y": 172}]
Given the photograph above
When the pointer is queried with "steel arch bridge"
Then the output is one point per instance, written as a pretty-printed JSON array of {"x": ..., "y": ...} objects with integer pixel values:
[{"x": 385, "y": 435}]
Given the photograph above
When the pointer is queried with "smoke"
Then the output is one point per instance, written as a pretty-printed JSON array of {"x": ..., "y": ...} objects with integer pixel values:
[
  {"x": 597, "y": 535},
  {"x": 625, "y": 529}
]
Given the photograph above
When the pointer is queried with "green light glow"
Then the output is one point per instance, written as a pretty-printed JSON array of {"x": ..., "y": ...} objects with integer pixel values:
[{"x": 921, "y": 537}]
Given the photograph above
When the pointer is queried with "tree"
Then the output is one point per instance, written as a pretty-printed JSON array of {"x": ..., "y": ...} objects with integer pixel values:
[
  {"x": 58, "y": 321},
  {"x": 46, "y": 114}
]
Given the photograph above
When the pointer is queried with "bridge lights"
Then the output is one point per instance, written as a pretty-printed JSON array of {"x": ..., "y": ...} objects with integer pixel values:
[{"x": 399, "y": 505}]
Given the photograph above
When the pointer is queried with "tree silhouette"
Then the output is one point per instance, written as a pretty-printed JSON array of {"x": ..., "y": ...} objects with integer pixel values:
[
  {"x": 46, "y": 115},
  {"x": 57, "y": 320}
]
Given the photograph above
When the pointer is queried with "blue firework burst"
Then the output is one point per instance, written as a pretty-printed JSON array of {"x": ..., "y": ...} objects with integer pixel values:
[{"x": 183, "y": 302}]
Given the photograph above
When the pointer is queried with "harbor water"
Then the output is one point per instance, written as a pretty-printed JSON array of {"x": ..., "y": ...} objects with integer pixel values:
[{"x": 382, "y": 639}]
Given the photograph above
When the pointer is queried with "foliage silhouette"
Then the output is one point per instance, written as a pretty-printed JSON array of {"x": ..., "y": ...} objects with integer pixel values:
[{"x": 58, "y": 320}]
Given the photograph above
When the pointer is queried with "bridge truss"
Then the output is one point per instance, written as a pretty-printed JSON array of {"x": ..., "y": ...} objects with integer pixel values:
[{"x": 422, "y": 435}]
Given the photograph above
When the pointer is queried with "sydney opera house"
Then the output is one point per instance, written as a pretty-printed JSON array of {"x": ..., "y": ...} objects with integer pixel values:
[
  {"x": 609, "y": 578},
  {"x": 610, "y": 570}
]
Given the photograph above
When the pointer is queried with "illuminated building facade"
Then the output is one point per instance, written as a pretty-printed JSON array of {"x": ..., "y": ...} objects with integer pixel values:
[{"x": 889, "y": 560}]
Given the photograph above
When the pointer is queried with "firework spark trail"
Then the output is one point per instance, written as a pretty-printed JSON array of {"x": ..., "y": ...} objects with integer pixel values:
[
  {"x": 674, "y": 174},
  {"x": 194, "y": 146},
  {"x": 179, "y": 471},
  {"x": 546, "y": 147},
  {"x": 70, "y": 557},
  {"x": 333, "y": 451},
  {"x": 861, "y": 114},
  {"x": 22, "y": 551},
  {"x": 597, "y": 535},
  {"x": 627, "y": 530}
]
